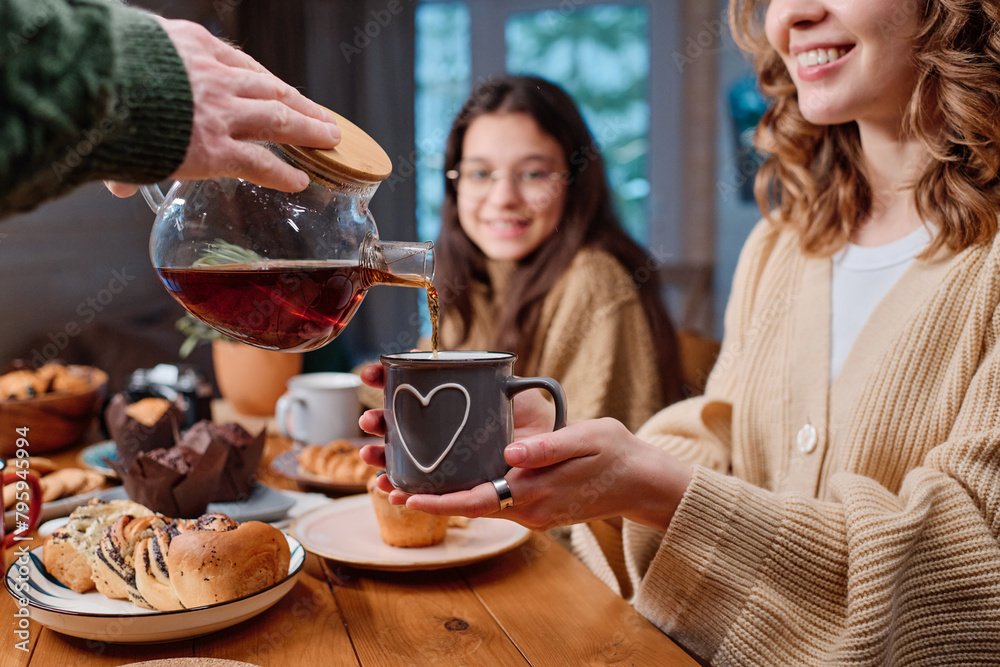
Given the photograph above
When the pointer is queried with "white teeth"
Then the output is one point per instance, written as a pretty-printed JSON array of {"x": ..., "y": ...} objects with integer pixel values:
[
  {"x": 505, "y": 224},
  {"x": 820, "y": 56}
]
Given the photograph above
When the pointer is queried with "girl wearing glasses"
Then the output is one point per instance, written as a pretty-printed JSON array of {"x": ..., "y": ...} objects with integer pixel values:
[
  {"x": 532, "y": 258},
  {"x": 834, "y": 497}
]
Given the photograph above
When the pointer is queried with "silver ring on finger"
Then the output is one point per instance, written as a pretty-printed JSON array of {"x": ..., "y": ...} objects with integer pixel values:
[{"x": 503, "y": 493}]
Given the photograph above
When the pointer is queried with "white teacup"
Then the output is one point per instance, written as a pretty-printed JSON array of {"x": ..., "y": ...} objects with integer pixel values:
[{"x": 319, "y": 408}]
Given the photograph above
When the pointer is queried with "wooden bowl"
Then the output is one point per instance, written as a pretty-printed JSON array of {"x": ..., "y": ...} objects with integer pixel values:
[{"x": 52, "y": 420}]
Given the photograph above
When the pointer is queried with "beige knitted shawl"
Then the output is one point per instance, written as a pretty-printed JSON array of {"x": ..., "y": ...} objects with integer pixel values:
[{"x": 874, "y": 542}]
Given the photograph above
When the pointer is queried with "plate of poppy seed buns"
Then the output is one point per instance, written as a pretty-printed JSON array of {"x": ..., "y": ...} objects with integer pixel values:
[{"x": 119, "y": 573}]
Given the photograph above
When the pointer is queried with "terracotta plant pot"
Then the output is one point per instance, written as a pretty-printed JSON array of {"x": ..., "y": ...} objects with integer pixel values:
[{"x": 252, "y": 379}]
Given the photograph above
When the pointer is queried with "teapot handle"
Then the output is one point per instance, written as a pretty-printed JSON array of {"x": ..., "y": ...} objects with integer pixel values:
[{"x": 153, "y": 195}]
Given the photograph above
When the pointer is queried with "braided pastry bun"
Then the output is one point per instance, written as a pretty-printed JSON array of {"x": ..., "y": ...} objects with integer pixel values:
[
  {"x": 152, "y": 580},
  {"x": 70, "y": 551},
  {"x": 162, "y": 563},
  {"x": 114, "y": 570}
]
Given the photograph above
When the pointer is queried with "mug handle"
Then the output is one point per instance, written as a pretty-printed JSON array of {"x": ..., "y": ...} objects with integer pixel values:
[
  {"x": 34, "y": 504},
  {"x": 516, "y": 385},
  {"x": 283, "y": 416}
]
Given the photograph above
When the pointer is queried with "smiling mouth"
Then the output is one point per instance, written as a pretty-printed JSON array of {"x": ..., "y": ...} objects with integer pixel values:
[
  {"x": 815, "y": 57},
  {"x": 506, "y": 224}
]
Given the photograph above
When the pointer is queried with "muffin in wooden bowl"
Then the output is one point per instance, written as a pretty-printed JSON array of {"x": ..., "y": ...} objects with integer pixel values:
[{"x": 50, "y": 407}]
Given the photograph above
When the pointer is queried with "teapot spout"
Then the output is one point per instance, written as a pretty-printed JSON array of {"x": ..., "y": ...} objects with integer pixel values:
[{"x": 409, "y": 260}]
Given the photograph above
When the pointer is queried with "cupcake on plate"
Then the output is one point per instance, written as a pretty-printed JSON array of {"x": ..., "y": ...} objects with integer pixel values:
[{"x": 403, "y": 527}]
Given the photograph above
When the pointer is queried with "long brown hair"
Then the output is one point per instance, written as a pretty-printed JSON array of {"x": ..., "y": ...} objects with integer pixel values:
[
  {"x": 588, "y": 220},
  {"x": 813, "y": 177}
]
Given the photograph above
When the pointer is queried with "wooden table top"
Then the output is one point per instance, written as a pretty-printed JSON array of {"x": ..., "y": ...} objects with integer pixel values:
[{"x": 534, "y": 605}]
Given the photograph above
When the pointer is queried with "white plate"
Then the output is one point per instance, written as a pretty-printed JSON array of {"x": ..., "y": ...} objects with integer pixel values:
[
  {"x": 264, "y": 504},
  {"x": 93, "y": 457},
  {"x": 93, "y": 616},
  {"x": 347, "y": 531}
]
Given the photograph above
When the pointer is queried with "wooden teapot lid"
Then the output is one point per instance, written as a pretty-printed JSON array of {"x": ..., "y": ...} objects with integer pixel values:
[{"x": 357, "y": 157}]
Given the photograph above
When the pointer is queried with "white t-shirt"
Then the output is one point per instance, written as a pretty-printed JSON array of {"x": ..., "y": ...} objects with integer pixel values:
[{"x": 862, "y": 275}]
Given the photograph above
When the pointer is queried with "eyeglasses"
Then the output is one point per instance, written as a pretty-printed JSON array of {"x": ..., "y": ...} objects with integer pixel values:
[{"x": 532, "y": 184}]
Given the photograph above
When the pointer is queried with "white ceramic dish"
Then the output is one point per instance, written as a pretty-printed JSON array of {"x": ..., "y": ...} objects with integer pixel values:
[
  {"x": 264, "y": 504},
  {"x": 347, "y": 531},
  {"x": 93, "y": 616}
]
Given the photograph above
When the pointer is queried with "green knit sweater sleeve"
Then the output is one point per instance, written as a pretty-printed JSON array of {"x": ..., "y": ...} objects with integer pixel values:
[{"x": 89, "y": 90}]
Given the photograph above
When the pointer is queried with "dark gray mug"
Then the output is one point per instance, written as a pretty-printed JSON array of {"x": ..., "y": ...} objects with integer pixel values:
[{"x": 449, "y": 418}]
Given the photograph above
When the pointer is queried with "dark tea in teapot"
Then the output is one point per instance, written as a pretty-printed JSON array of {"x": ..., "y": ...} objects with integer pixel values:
[{"x": 283, "y": 305}]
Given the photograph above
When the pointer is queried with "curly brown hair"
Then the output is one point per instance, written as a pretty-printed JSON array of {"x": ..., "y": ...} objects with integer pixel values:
[{"x": 813, "y": 177}]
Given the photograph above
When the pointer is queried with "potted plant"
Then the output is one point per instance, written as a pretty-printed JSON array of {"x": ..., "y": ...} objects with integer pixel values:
[{"x": 250, "y": 379}]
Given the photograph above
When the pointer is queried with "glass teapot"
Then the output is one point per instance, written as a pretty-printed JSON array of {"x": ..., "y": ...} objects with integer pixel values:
[{"x": 283, "y": 271}]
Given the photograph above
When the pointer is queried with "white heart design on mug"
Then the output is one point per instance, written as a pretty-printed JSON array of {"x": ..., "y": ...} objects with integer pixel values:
[{"x": 425, "y": 401}]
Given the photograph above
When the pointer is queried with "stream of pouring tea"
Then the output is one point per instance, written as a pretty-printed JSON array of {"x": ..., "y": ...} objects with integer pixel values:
[
  {"x": 433, "y": 302},
  {"x": 434, "y": 308}
]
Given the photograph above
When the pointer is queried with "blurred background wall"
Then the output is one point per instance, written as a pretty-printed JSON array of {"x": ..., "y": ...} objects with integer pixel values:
[{"x": 665, "y": 92}]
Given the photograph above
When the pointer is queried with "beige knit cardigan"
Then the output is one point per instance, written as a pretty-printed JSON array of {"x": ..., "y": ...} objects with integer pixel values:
[
  {"x": 874, "y": 543},
  {"x": 592, "y": 336}
]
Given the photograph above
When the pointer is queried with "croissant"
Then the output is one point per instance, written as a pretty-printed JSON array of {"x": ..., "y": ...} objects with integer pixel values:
[{"x": 339, "y": 461}]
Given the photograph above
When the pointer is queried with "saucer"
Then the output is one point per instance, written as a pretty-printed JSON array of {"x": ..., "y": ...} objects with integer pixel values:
[{"x": 93, "y": 457}]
